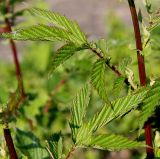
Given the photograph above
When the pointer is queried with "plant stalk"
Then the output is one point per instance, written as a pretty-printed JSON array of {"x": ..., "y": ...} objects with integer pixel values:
[
  {"x": 9, "y": 143},
  {"x": 112, "y": 67},
  {"x": 142, "y": 74},
  {"x": 14, "y": 51}
]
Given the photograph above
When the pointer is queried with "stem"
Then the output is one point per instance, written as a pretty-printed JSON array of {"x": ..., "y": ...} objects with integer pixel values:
[
  {"x": 112, "y": 67},
  {"x": 142, "y": 74},
  {"x": 9, "y": 142},
  {"x": 14, "y": 51},
  {"x": 71, "y": 152}
]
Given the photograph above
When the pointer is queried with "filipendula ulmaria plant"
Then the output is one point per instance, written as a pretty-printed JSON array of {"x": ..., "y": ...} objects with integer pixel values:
[{"x": 83, "y": 133}]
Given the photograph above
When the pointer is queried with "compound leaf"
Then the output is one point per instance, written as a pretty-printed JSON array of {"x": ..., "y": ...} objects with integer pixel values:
[{"x": 119, "y": 107}]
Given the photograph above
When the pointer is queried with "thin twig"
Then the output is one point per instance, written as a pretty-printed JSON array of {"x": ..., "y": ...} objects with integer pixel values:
[
  {"x": 142, "y": 74},
  {"x": 112, "y": 67}
]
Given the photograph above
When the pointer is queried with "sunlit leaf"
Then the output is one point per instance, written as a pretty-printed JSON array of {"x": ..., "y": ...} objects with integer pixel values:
[
  {"x": 78, "y": 109},
  {"x": 114, "y": 142},
  {"x": 63, "y": 54},
  {"x": 62, "y": 22},
  {"x": 98, "y": 79}
]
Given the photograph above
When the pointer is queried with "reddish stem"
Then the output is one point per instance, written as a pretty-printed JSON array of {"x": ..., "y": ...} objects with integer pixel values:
[
  {"x": 10, "y": 145},
  {"x": 142, "y": 74},
  {"x": 112, "y": 67},
  {"x": 14, "y": 51}
]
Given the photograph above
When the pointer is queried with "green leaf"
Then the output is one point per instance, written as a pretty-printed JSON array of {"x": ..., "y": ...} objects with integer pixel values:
[
  {"x": 62, "y": 22},
  {"x": 78, "y": 109},
  {"x": 98, "y": 79},
  {"x": 41, "y": 33},
  {"x": 55, "y": 146},
  {"x": 63, "y": 54},
  {"x": 119, "y": 107},
  {"x": 113, "y": 142},
  {"x": 150, "y": 103},
  {"x": 29, "y": 145}
]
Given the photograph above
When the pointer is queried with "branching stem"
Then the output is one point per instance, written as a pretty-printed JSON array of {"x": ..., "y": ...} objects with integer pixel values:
[
  {"x": 142, "y": 73},
  {"x": 112, "y": 67}
]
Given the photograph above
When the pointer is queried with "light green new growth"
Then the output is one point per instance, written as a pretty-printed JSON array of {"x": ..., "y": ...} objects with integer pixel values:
[
  {"x": 98, "y": 79},
  {"x": 78, "y": 109}
]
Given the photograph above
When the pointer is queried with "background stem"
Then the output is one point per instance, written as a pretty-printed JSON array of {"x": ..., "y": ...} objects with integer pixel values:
[
  {"x": 142, "y": 73},
  {"x": 10, "y": 145},
  {"x": 14, "y": 51}
]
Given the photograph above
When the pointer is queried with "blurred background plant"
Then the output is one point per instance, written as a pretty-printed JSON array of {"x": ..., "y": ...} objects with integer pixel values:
[{"x": 46, "y": 108}]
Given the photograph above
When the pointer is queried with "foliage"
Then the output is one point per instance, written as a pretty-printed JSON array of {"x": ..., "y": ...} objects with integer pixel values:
[{"x": 90, "y": 116}]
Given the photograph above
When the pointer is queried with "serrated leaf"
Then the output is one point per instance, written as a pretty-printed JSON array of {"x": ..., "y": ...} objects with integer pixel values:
[
  {"x": 98, "y": 79},
  {"x": 63, "y": 54},
  {"x": 113, "y": 142},
  {"x": 61, "y": 21},
  {"x": 41, "y": 33},
  {"x": 55, "y": 146},
  {"x": 150, "y": 103},
  {"x": 119, "y": 108},
  {"x": 78, "y": 109}
]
